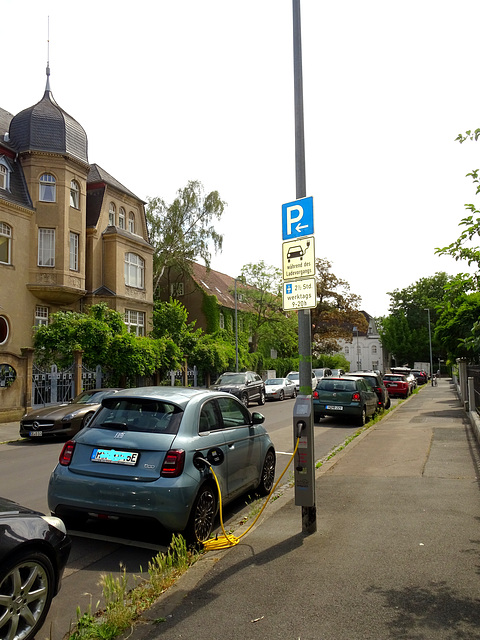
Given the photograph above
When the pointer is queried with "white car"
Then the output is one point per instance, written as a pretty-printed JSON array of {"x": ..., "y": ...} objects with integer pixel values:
[{"x": 295, "y": 376}]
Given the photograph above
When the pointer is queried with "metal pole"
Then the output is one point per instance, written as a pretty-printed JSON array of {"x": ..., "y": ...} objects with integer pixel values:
[
  {"x": 236, "y": 329},
  {"x": 309, "y": 513},
  {"x": 430, "y": 342}
]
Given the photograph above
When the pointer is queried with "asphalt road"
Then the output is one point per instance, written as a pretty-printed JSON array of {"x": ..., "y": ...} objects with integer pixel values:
[{"x": 103, "y": 548}]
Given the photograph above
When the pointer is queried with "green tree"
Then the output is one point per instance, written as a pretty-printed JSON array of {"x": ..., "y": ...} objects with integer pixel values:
[
  {"x": 458, "y": 329},
  {"x": 337, "y": 311},
  {"x": 404, "y": 332},
  {"x": 182, "y": 232},
  {"x": 464, "y": 248},
  {"x": 260, "y": 290},
  {"x": 170, "y": 320},
  {"x": 103, "y": 337}
]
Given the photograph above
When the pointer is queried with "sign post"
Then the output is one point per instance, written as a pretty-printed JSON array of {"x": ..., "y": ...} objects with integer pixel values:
[{"x": 295, "y": 224}]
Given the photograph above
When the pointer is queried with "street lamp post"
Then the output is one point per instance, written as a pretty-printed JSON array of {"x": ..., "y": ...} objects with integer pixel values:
[{"x": 430, "y": 342}]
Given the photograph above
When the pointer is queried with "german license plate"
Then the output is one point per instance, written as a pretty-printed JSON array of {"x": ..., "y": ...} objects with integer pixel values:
[
  {"x": 393, "y": 384},
  {"x": 333, "y": 407},
  {"x": 32, "y": 434},
  {"x": 114, "y": 457}
]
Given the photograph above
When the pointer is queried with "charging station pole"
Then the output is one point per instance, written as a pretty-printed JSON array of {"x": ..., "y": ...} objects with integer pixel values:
[{"x": 302, "y": 413}]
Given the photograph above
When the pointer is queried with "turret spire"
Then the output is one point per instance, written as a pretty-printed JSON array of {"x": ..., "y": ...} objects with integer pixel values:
[{"x": 47, "y": 87}]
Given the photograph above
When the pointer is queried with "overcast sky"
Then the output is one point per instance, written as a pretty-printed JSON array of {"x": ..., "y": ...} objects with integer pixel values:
[{"x": 177, "y": 90}]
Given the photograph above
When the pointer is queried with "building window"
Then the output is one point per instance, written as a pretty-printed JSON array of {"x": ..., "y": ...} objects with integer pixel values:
[
  {"x": 134, "y": 270},
  {"x": 3, "y": 176},
  {"x": 111, "y": 215},
  {"x": 347, "y": 350},
  {"x": 4, "y": 330},
  {"x": 5, "y": 243},
  {"x": 131, "y": 222},
  {"x": 41, "y": 316},
  {"x": 135, "y": 321},
  {"x": 222, "y": 321},
  {"x": 48, "y": 188},
  {"x": 46, "y": 247},
  {"x": 121, "y": 218},
  {"x": 74, "y": 194},
  {"x": 375, "y": 365},
  {"x": 374, "y": 348},
  {"x": 177, "y": 289},
  {"x": 74, "y": 238}
]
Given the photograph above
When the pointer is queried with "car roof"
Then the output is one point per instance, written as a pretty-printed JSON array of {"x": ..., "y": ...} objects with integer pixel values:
[{"x": 178, "y": 395}]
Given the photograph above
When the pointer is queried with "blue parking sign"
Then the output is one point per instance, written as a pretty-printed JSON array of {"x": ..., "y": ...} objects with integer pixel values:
[{"x": 297, "y": 218}]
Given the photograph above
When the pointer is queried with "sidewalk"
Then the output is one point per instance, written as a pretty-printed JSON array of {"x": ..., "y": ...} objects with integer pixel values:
[{"x": 396, "y": 554}]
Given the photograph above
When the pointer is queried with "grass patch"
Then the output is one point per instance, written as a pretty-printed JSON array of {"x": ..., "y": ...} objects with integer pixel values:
[{"x": 124, "y": 605}]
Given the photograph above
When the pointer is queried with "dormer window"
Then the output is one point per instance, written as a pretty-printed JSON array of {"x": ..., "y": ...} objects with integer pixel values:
[
  {"x": 5, "y": 171},
  {"x": 48, "y": 190}
]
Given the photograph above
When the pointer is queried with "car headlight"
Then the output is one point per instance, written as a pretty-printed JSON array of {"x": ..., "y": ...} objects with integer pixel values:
[
  {"x": 53, "y": 521},
  {"x": 69, "y": 417}
]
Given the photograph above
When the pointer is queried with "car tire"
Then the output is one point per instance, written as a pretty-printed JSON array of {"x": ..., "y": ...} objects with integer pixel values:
[
  {"x": 388, "y": 403},
  {"x": 363, "y": 418},
  {"x": 27, "y": 585},
  {"x": 262, "y": 397},
  {"x": 244, "y": 399},
  {"x": 281, "y": 396},
  {"x": 86, "y": 418},
  {"x": 294, "y": 394},
  {"x": 267, "y": 478},
  {"x": 202, "y": 517}
]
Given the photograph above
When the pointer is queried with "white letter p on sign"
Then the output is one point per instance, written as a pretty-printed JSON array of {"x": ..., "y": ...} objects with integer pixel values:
[{"x": 291, "y": 220}]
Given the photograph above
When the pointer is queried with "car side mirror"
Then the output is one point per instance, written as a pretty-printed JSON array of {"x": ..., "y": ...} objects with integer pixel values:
[{"x": 258, "y": 418}]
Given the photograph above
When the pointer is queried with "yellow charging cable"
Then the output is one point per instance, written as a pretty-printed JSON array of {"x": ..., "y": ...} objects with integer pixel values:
[{"x": 226, "y": 541}]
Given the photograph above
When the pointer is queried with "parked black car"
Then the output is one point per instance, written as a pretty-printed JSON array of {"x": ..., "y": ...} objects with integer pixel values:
[
  {"x": 34, "y": 550},
  {"x": 421, "y": 376},
  {"x": 375, "y": 380},
  {"x": 247, "y": 386}
]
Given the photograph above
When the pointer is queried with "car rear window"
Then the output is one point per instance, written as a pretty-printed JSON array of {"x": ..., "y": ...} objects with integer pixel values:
[
  {"x": 336, "y": 385},
  {"x": 146, "y": 415}
]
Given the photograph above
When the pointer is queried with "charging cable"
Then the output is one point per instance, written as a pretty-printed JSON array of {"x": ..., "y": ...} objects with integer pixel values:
[{"x": 227, "y": 540}]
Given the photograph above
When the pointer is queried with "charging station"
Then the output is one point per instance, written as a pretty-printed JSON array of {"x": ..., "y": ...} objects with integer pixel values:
[{"x": 304, "y": 463}]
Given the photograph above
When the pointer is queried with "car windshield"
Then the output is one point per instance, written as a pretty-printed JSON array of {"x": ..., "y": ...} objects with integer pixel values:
[
  {"x": 90, "y": 397},
  {"x": 146, "y": 415},
  {"x": 393, "y": 377},
  {"x": 234, "y": 378},
  {"x": 293, "y": 376},
  {"x": 274, "y": 381}
]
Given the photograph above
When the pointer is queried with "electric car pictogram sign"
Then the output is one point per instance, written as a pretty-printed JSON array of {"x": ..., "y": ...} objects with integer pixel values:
[{"x": 298, "y": 258}]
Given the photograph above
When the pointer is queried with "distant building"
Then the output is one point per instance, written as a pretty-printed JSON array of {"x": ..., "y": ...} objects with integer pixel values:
[
  {"x": 70, "y": 236},
  {"x": 365, "y": 351}
]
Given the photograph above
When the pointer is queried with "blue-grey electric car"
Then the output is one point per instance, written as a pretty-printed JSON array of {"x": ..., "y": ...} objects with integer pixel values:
[{"x": 148, "y": 453}]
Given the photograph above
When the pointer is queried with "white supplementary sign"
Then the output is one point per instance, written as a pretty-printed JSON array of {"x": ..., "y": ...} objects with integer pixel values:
[
  {"x": 298, "y": 258},
  {"x": 300, "y": 294}
]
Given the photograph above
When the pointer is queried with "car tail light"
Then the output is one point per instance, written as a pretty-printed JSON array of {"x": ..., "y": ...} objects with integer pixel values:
[
  {"x": 173, "y": 463},
  {"x": 315, "y": 394},
  {"x": 67, "y": 453},
  {"x": 356, "y": 397}
]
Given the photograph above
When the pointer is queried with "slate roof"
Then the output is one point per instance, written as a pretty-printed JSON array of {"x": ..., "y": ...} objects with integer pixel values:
[
  {"x": 98, "y": 175},
  {"x": 220, "y": 285},
  {"x": 47, "y": 127}
]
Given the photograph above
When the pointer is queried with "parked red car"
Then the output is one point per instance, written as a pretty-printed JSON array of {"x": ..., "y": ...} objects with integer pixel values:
[{"x": 397, "y": 385}]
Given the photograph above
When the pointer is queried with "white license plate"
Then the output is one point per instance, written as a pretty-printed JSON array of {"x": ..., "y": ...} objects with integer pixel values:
[
  {"x": 333, "y": 407},
  {"x": 394, "y": 384},
  {"x": 32, "y": 434},
  {"x": 113, "y": 456}
]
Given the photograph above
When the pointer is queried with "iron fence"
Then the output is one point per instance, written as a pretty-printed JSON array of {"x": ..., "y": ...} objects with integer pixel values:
[{"x": 474, "y": 372}]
